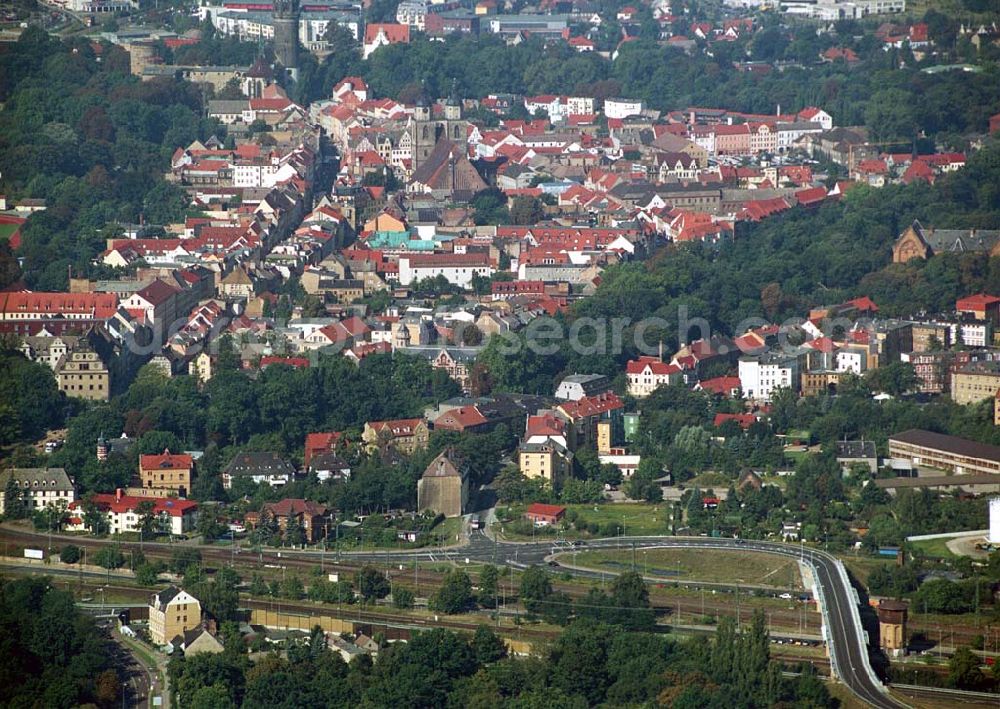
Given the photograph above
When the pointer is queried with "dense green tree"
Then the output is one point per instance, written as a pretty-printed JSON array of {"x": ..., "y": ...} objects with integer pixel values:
[
  {"x": 372, "y": 584},
  {"x": 535, "y": 588},
  {"x": 489, "y": 579},
  {"x": 630, "y": 599},
  {"x": 488, "y": 646},
  {"x": 183, "y": 557},
  {"x": 964, "y": 670},
  {"x": 402, "y": 598},
  {"x": 69, "y": 554},
  {"x": 110, "y": 557},
  {"x": 454, "y": 595},
  {"x": 146, "y": 574}
]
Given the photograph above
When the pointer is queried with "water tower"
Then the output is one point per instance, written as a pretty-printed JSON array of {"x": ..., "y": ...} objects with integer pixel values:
[{"x": 892, "y": 626}]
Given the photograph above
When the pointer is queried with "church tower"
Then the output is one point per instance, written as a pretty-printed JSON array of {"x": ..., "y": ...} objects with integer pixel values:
[
  {"x": 286, "y": 36},
  {"x": 426, "y": 131}
]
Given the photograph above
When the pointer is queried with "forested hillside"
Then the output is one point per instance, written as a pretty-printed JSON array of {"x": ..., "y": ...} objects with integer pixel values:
[
  {"x": 53, "y": 656},
  {"x": 92, "y": 140}
]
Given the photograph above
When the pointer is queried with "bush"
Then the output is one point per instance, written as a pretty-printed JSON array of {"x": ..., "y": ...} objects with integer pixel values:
[
  {"x": 110, "y": 558},
  {"x": 69, "y": 554},
  {"x": 146, "y": 574},
  {"x": 402, "y": 598}
]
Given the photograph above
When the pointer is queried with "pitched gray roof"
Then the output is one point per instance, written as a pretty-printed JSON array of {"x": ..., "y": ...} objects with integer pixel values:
[{"x": 40, "y": 478}]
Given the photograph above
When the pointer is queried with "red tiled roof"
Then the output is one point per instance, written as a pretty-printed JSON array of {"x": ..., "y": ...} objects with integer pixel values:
[
  {"x": 864, "y": 303},
  {"x": 811, "y": 196},
  {"x": 396, "y": 34},
  {"x": 295, "y": 506},
  {"x": 592, "y": 405},
  {"x": 270, "y": 104},
  {"x": 127, "y": 503},
  {"x": 180, "y": 461},
  {"x": 977, "y": 302},
  {"x": 656, "y": 366},
  {"x": 460, "y": 418},
  {"x": 297, "y": 362},
  {"x": 544, "y": 425},
  {"x": 98, "y": 306},
  {"x": 720, "y": 385},
  {"x": 744, "y": 420},
  {"x": 157, "y": 292},
  {"x": 538, "y": 508}
]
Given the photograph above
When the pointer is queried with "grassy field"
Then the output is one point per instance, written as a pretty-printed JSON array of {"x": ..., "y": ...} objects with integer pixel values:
[
  {"x": 696, "y": 565},
  {"x": 7, "y": 229},
  {"x": 639, "y": 519},
  {"x": 934, "y": 547},
  {"x": 446, "y": 532},
  {"x": 710, "y": 480}
]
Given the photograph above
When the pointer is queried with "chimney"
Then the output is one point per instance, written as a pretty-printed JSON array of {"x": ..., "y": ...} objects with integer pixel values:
[{"x": 118, "y": 494}]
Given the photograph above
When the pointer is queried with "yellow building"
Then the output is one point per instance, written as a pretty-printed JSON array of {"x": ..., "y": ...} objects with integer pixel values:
[
  {"x": 405, "y": 435},
  {"x": 201, "y": 366},
  {"x": 975, "y": 382},
  {"x": 549, "y": 461},
  {"x": 83, "y": 374},
  {"x": 167, "y": 472},
  {"x": 820, "y": 382},
  {"x": 172, "y": 611},
  {"x": 605, "y": 436}
]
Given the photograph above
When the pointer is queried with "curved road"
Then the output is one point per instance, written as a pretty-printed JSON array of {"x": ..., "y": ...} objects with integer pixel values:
[{"x": 847, "y": 642}]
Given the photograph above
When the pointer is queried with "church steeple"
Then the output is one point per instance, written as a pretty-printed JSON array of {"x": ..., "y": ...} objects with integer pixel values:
[
  {"x": 422, "y": 112},
  {"x": 453, "y": 107}
]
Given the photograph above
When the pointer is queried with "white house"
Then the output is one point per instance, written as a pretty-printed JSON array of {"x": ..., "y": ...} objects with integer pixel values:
[
  {"x": 576, "y": 386},
  {"x": 39, "y": 487},
  {"x": 622, "y": 107},
  {"x": 761, "y": 375},
  {"x": 458, "y": 269},
  {"x": 172, "y": 516},
  {"x": 852, "y": 359},
  {"x": 646, "y": 374}
]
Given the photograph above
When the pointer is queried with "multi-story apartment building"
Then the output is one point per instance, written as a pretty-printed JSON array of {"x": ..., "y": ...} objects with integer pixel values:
[
  {"x": 975, "y": 382},
  {"x": 172, "y": 611},
  {"x": 761, "y": 375}
]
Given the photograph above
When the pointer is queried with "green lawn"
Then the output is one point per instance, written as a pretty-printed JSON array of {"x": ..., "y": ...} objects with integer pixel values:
[
  {"x": 638, "y": 518},
  {"x": 710, "y": 479},
  {"x": 794, "y": 456},
  {"x": 934, "y": 547},
  {"x": 7, "y": 229},
  {"x": 697, "y": 565},
  {"x": 445, "y": 534}
]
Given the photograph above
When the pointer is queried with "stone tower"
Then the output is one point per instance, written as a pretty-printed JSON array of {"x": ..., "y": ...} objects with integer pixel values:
[
  {"x": 426, "y": 131},
  {"x": 286, "y": 36}
]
